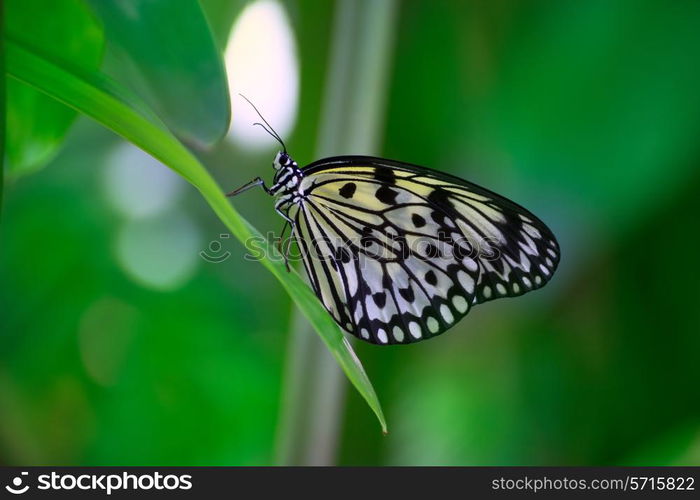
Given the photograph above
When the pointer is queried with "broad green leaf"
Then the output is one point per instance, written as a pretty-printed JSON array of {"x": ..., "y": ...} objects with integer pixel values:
[
  {"x": 97, "y": 97},
  {"x": 221, "y": 14},
  {"x": 166, "y": 53},
  {"x": 2, "y": 107},
  {"x": 37, "y": 124}
]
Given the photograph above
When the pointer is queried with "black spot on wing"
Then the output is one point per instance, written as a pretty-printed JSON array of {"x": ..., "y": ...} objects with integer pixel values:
[
  {"x": 431, "y": 278},
  {"x": 432, "y": 251},
  {"x": 407, "y": 294},
  {"x": 386, "y": 195},
  {"x": 385, "y": 175},
  {"x": 438, "y": 217},
  {"x": 379, "y": 299},
  {"x": 441, "y": 199},
  {"x": 417, "y": 220},
  {"x": 348, "y": 190}
]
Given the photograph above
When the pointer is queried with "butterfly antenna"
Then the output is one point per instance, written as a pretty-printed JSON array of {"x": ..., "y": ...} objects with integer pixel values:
[{"x": 267, "y": 129}]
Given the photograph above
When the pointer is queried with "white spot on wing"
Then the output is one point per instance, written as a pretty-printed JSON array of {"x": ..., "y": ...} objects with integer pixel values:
[
  {"x": 433, "y": 325},
  {"x": 460, "y": 303},
  {"x": 528, "y": 245},
  {"x": 466, "y": 281},
  {"x": 532, "y": 231},
  {"x": 469, "y": 263},
  {"x": 525, "y": 262},
  {"x": 446, "y": 314}
]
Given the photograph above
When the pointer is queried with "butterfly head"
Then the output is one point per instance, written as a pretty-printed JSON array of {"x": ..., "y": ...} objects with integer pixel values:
[
  {"x": 284, "y": 161},
  {"x": 288, "y": 175}
]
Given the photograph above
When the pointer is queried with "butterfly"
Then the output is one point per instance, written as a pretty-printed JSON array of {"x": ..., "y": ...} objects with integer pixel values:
[{"x": 398, "y": 253}]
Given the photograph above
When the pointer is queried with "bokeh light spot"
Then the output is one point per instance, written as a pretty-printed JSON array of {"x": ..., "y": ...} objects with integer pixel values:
[
  {"x": 261, "y": 62},
  {"x": 159, "y": 252},
  {"x": 138, "y": 185}
]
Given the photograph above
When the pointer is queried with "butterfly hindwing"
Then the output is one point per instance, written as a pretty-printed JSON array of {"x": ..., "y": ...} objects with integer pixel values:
[{"x": 516, "y": 251}]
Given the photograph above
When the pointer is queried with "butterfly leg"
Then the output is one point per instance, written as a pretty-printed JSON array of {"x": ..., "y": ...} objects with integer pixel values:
[
  {"x": 285, "y": 252},
  {"x": 286, "y": 257},
  {"x": 279, "y": 244},
  {"x": 254, "y": 183}
]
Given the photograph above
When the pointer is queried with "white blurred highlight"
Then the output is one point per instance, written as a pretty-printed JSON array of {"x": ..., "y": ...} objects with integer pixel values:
[
  {"x": 138, "y": 185},
  {"x": 261, "y": 62},
  {"x": 159, "y": 252}
]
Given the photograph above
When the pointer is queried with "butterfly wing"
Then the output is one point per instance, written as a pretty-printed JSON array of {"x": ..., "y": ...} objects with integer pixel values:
[{"x": 398, "y": 253}]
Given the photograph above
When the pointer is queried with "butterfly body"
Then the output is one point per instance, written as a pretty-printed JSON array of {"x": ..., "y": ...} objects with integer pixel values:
[
  {"x": 286, "y": 183},
  {"x": 398, "y": 253}
]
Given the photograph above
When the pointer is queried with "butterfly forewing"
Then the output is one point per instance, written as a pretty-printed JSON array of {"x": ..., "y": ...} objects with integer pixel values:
[{"x": 516, "y": 252}]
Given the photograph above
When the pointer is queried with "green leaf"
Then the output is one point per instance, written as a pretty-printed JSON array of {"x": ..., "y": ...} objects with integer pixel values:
[
  {"x": 97, "y": 97},
  {"x": 165, "y": 51},
  {"x": 3, "y": 123},
  {"x": 221, "y": 14},
  {"x": 37, "y": 124}
]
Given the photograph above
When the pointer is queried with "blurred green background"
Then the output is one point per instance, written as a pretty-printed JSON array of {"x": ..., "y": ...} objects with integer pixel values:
[{"x": 120, "y": 344}]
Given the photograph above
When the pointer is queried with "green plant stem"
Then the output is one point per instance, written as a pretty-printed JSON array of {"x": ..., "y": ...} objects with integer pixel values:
[{"x": 351, "y": 123}]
